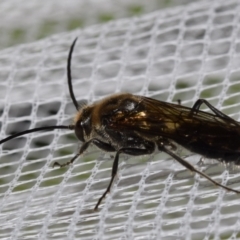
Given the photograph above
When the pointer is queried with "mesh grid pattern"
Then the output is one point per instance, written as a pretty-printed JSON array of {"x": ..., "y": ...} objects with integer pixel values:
[
  {"x": 22, "y": 23},
  {"x": 183, "y": 53}
]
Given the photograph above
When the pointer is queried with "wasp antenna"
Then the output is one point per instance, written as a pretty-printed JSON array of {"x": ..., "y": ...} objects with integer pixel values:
[
  {"x": 69, "y": 75},
  {"x": 71, "y": 127}
]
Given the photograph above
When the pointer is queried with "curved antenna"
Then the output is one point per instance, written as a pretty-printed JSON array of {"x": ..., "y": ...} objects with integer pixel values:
[
  {"x": 48, "y": 128},
  {"x": 69, "y": 76},
  {"x": 71, "y": 127}
]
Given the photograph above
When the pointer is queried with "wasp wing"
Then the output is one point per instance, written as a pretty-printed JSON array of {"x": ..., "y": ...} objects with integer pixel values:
[
  {"x": 198, "y": 131},
  {"x": 155, "y": 116}
]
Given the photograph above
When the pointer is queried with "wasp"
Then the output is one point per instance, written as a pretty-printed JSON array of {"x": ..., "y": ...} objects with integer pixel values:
[{"x": 137, "y": 125}]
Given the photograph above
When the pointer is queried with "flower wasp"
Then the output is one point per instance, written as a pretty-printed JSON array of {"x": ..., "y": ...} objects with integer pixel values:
[{"x": 137, "y": 125}]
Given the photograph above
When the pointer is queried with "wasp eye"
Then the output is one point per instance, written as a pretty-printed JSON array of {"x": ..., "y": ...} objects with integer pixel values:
[{"x": 79, "y": 131}]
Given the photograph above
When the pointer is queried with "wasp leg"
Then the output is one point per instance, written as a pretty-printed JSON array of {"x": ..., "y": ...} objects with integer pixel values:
[
  {"x": 82, "y": 149},
  {"x": 167, "y": 142},
  {"x": 192, "y": 168},
  {"x": 103, "y": 146},
  {"x": 149, "y": 148},
  {"x": 218, "y": 113}
]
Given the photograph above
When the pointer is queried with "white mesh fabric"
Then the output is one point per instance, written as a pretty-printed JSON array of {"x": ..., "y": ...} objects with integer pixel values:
[
  {"x": 183, "y": 53},
  {"x": 23, "y": 22}
]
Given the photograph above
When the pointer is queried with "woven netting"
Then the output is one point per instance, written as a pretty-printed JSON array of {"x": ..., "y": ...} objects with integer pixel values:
[
  {"x": 23, "y": 22},
  {"x": 182, "y": 53}
]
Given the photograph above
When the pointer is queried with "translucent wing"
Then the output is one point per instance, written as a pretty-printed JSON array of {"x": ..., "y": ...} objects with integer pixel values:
[{"x": 198, "y": 131}]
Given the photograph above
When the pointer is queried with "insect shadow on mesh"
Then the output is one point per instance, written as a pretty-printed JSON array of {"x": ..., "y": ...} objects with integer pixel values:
[{"x": 136, "y": 125}]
